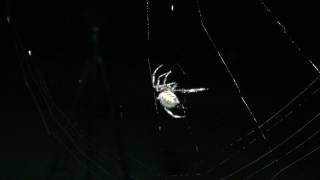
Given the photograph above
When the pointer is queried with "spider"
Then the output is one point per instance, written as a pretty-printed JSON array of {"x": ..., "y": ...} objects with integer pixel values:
[{"x": 167, "y": 97}]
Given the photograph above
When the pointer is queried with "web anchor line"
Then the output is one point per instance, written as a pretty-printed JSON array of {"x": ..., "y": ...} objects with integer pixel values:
[
  {"x": 284, "y": 31},
  {"x": 148, "y": 58},
  {"x": 204, "y": 28}
]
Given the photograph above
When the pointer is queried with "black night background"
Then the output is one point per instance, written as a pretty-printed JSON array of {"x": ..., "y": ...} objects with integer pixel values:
[{"x": 77, "y": 101}]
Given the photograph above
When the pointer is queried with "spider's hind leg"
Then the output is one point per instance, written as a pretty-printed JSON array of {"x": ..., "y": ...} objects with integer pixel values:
[
  {"x": 181, "y": 106},
  {"x": 173, "y": 115}
]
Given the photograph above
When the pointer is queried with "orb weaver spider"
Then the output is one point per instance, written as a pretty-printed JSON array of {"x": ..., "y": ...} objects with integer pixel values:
[{"x": 167, "y": 97}]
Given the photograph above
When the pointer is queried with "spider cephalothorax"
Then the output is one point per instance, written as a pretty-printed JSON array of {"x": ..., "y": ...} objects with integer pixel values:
[{"x": 167, "y": 97}]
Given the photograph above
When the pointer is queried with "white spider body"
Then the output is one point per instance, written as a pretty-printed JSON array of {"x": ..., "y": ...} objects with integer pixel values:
[{"x": 167, "y": 97}]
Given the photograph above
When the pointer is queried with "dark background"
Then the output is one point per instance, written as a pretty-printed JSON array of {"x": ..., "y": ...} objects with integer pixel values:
[{"x": 81, "y": 107}]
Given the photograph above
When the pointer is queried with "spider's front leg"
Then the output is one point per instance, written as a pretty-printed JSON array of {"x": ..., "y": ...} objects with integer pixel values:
[
  {"x": 166, "y": 77},
  {"x": 154, "y": 75},
  {"x": 172, "y": 85},
  {"x": 164, "y": 74},
  {"x": 193, "y": 90}
]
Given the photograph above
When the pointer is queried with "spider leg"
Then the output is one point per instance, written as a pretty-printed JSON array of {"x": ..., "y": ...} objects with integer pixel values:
[
  {"x": 173, "y": 115},
  {"x": 173, "y": 85},
  {"x": 164, "y": 74},
  {"x": 194, "y": 90},
  {"x": 154, "y": 75},
  {"x": 166, "y": 77},
  {"x": 183, "y": 107}
]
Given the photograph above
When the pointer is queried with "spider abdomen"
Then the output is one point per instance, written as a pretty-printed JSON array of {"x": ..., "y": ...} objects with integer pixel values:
[{"x": 168, "y": 99}]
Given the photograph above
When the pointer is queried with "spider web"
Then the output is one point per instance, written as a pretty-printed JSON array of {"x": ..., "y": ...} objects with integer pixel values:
[
  {"x": 271, "y": 156},
  {"x": 57, "y": 123},
  {"x": 279, "y": 169},
  {"x": 310, "y": 90}
]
